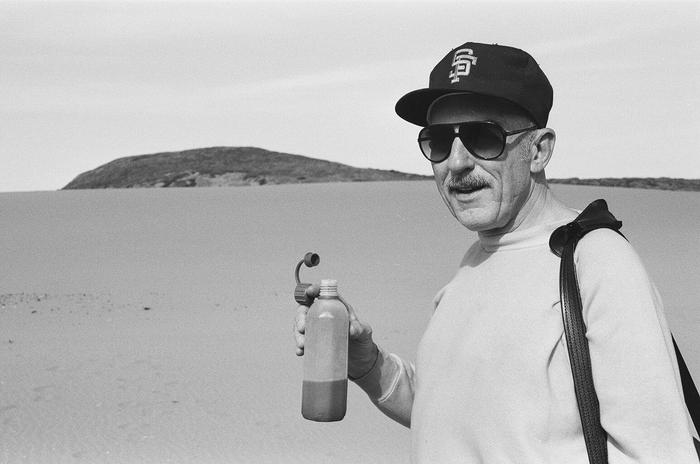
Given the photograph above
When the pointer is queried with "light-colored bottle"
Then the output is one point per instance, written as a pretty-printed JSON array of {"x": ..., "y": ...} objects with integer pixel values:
[{"x": 325, "y": 386}]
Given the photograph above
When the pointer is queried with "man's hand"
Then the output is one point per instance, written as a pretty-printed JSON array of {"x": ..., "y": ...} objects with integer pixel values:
[{"x": 362, "y": 351}]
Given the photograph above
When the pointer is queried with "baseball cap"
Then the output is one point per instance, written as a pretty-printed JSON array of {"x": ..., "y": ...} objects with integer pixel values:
[{"x": 483, "y": 69}]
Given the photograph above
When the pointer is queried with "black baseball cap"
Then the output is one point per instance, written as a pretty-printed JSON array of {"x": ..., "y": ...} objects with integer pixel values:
[{"x": 483, "y": 69}]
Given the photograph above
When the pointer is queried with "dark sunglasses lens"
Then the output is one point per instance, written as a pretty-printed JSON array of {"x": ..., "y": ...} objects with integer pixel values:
[
  {"x": 483, "y": 140},
  {"x": 436, "y": 142}
]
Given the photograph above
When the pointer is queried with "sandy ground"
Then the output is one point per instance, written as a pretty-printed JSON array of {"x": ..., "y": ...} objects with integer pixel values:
[{"x": 154, "y": 326}]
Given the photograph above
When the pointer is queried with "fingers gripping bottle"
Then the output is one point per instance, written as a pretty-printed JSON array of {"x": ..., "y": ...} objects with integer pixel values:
[{"x": 325, "y": 386}]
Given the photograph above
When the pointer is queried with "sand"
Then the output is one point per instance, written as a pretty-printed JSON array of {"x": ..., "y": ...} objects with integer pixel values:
[{"x": 154, "y": 325}]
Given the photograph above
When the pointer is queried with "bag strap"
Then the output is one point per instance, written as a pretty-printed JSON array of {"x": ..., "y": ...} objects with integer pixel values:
[{"x": 563, "y": 243}]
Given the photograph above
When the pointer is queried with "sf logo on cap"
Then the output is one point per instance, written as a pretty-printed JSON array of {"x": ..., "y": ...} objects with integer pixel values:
[{"x": 462, "y": 64}]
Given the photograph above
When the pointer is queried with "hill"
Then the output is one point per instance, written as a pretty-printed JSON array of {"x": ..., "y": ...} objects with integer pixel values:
[
  {"x": 238, "y": 166},
  {"x": 225, "y": 166}
]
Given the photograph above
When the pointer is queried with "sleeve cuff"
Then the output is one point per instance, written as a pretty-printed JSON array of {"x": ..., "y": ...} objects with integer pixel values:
[{"x": 381, "y": 380}]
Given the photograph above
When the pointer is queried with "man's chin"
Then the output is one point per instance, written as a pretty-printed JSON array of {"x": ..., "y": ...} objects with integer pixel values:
[{"x": 475, "y": 219}]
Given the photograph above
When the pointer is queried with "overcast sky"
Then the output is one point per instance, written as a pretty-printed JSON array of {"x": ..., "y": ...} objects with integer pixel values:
[{"x": 84, "y": 83}]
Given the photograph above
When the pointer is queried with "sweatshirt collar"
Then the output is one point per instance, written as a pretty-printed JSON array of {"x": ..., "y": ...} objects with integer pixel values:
[{"x": 521, "y": 238}]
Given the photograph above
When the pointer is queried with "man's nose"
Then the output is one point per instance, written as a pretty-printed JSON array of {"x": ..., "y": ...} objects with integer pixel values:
[{"x": 460, "y": 159}]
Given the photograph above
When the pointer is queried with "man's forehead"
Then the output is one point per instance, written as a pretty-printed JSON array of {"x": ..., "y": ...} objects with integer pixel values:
[{"x": 453, "y": 108}]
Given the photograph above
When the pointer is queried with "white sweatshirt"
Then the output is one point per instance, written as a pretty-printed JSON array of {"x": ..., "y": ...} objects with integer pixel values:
[{"x": 492, "y": 381}]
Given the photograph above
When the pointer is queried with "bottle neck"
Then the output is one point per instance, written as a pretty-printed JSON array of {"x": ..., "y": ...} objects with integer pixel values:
[
  {"x": 328, "y": 294},
  {"x": 329, "y": 288}
]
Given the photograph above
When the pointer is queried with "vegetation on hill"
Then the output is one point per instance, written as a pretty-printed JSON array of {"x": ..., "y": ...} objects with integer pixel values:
[
  {"x": 661, "y": 183},
  {"x": 223, "y": 166}
]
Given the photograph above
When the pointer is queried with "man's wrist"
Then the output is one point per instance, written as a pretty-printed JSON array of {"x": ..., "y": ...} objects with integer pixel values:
[{"x": 362, "y": 373}]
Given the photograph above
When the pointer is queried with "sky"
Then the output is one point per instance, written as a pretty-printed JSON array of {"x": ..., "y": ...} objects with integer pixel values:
[{"x": 82, "y": 84}]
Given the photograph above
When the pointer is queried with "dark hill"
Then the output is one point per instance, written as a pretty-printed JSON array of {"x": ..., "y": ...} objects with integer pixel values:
[
  {"x": 224, "y": 166},
  {"x": 236, "y": 166}
]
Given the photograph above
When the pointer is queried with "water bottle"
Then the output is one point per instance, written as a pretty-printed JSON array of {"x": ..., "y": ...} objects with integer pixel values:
[{"x": 325, "y": 386}]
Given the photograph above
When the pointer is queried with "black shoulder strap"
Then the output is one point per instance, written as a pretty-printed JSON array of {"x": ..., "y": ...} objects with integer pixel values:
[
  {"x": 563, "y": 242},
  {"x": 690, "y": 392}
]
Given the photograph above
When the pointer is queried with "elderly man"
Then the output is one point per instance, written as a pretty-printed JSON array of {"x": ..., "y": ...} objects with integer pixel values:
[{"x": 492, "y": 381}]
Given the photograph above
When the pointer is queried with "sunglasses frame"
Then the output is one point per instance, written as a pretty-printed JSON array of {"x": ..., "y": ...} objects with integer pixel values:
[{"x": 457, "y": 131}]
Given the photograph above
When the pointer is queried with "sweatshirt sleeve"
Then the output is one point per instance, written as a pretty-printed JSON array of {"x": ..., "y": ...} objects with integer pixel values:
[
  {"x": 389, "y": 384},
  {"x": 635, "y": 372}
]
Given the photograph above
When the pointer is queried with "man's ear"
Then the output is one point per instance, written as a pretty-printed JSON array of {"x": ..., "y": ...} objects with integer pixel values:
[{"x": 541, "y": 149}]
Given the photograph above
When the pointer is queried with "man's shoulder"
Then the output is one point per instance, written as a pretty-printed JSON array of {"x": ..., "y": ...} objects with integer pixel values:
[
  {"x": 601, "y": 241},
  {"x": 606, "y": 252}
]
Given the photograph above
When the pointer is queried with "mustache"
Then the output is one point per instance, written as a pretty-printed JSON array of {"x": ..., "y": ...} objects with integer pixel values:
[{"x": 466, "y": 183}]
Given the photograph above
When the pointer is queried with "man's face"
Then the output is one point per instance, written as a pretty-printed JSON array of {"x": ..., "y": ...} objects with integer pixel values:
[{"x": 502, "y": 184}]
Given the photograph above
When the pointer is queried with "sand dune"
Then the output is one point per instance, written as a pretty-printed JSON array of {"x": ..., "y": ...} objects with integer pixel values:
[{"x": 154, "y": 326}]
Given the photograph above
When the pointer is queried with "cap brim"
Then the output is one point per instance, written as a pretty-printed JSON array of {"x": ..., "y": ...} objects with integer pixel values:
[{"x": 413, "y": 107}]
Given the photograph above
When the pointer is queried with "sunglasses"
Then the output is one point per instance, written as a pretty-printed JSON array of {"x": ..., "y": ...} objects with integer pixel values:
[{"x": 484, "y": 139}]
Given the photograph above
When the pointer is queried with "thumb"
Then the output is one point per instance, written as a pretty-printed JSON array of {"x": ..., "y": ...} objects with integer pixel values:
[{"x": 312, "y": 291}]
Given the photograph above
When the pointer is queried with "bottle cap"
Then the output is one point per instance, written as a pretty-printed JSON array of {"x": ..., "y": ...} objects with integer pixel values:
[
  {"x": 311, "y": 259},
  {"x": 329, "y": 287}
]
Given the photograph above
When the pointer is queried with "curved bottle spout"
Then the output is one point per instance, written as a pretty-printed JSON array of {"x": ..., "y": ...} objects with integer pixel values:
[{"x": 310, "y": 259}]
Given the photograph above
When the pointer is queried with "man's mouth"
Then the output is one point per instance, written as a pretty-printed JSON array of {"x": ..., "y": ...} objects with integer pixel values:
[{"x": 467, "y": 186}]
